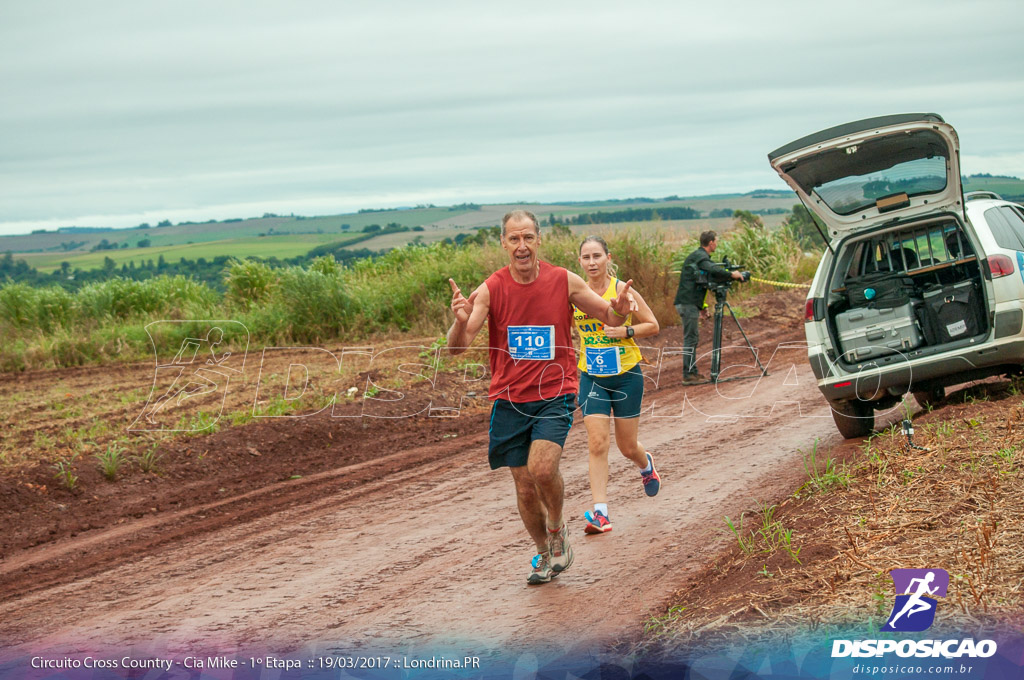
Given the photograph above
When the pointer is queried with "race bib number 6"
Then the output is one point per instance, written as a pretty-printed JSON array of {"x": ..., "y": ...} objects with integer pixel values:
[
  {"x": 603, "y": 361},
  {"x": 533, "y": 343}
]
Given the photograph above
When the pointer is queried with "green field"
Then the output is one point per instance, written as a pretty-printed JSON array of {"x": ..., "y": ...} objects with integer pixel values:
[
  {"x": 674, "y": 231},
  {"x": 182, "y": 234},
  {"x": 440, "y": 217},
  {"x": 290, "y": 236},
  {"x": 284, "y": 246},
  {"x": 1007, "y": 187}
]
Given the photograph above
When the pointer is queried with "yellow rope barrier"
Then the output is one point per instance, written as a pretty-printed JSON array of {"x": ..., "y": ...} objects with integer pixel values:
[{"x": 781, "y": 284}]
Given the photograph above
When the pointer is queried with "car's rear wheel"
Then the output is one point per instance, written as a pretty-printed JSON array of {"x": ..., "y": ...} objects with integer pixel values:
[
  {"x": 930, "y": 398},
  {"x": 854, "y": 418}
]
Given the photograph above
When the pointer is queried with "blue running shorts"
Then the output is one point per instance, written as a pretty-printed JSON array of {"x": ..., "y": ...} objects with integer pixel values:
[
  {"x": 514, "y": 426},
  {"x": 620, "y": 393}
]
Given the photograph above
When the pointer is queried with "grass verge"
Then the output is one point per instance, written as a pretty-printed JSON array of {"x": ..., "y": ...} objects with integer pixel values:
[{"x": 958, "y": 506}]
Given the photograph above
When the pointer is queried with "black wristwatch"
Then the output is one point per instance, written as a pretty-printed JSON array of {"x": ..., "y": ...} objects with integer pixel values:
[{"x": 629, "y": 331}]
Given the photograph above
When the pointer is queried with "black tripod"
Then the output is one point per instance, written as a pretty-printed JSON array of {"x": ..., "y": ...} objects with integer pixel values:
[{"x": 721, "y": 303}]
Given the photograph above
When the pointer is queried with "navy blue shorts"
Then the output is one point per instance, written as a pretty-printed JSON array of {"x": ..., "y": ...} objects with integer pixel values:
[
  {"x": 622, "y": 393},
  {"x": 514, "y": 426}
]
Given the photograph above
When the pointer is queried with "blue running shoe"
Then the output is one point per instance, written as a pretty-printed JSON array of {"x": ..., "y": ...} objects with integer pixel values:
[
  {"x": 652, "y": 482},
  {"x": 597, "y": 523}
]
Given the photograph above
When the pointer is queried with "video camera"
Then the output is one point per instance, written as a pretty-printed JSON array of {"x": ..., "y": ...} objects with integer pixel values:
[
  {"x": 708, "y": 281},
  {"x": 720, "y": 288}
]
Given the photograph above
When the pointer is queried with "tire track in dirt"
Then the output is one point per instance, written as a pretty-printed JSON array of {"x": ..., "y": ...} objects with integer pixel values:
[{"x": 92, "y": 552}]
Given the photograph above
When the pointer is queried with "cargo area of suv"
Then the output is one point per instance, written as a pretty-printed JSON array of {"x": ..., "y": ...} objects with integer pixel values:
[
  {"x": 904, "y": 298},
  {"x": 913, "y": 290}
]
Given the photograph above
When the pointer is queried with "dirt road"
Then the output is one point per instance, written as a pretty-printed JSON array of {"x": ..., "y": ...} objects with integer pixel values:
[{"x": 416, "y": 542}]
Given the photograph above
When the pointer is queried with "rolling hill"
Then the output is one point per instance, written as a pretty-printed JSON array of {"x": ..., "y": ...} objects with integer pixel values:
[
  {"x": 289, "y": 236},
  {"x": 285, "y": 236}
]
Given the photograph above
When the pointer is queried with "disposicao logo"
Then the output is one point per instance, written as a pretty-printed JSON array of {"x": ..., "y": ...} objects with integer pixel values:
[{"x": 914, "y": 611}]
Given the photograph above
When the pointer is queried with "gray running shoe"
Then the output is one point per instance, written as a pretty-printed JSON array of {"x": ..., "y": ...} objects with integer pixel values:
[
  {"x": 542, "y": 571},
  {"x": 559, "y": 549}
]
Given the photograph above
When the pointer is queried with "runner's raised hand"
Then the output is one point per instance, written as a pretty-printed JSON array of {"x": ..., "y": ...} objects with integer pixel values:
[
  {"x": 461, "y": 307},
  {"x": 624, "y": 303}
]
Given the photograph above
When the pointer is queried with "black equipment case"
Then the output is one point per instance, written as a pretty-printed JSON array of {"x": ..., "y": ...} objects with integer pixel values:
[
  {"x": 881, "y": 290},
  {"x": 952, "y": 312}
]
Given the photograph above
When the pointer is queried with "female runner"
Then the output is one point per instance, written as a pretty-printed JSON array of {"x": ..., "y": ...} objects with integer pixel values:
[{"x": 611, "y": 382}]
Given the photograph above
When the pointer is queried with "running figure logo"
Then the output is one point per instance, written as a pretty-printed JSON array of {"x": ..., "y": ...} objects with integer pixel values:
[
  {"x": 192, "y": 374},
  {"x": 914, "y": 609}
]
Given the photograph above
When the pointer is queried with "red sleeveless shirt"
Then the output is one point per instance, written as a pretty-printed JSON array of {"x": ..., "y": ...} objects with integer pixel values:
[{"x": 530, "y": 327}]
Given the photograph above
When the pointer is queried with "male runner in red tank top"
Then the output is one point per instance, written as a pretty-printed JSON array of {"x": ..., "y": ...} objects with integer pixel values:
[{"x": 528, "y": 307}]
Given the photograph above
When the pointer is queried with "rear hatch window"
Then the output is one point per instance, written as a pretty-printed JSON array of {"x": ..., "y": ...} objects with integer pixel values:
[
  {"x": 852, "y": 193},
  {"x": 861, "y": 175}
]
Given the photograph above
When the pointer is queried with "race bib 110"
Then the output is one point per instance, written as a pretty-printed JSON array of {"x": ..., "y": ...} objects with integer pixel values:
[{"x": 533, "y": 343}]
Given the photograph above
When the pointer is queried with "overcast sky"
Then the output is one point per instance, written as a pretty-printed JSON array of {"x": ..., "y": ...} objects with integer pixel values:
[{"x": 115, "y": 113}]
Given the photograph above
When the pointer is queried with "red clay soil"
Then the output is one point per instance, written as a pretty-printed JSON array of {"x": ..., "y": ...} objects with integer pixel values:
[{"x": 385, "y": 531}]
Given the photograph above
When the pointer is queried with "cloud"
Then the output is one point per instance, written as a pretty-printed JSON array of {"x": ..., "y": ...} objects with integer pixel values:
[{"x": 118, "y": 111}]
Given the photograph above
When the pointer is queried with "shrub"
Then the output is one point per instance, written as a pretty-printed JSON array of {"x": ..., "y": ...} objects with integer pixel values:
[
  {"x": 249, "y": 282},
  {"x": 771, "y": 254},
  {"x": 408, "y": 287},
  {"x": 124, "y": 299},
  {"x": 17, "y": 304},
  {"x": 326, "y": 265},
  {"x": 54, "y": 309},
  {"x": 313, "y": 305}
]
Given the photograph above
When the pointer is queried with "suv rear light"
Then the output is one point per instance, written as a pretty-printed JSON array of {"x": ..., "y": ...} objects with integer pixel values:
[
  {"x": 1000, "y": 265},
  {"x": 814, "y": 309}
]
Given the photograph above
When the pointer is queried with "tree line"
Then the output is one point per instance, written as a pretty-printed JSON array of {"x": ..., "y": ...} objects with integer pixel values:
[
  {"x": 633, "y": 215},
  {"x": 209, "y": 271}
]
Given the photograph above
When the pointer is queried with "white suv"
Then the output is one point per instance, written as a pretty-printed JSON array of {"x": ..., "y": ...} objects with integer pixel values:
[{"x": 920, "y": 287}]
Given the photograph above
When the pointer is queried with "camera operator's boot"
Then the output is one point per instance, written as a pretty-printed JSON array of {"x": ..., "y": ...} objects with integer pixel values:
[{"x": 694, "y": 378}]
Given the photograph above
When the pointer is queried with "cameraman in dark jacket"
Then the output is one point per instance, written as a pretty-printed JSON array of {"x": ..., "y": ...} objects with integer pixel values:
[{"x": 690, "y": 300}]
